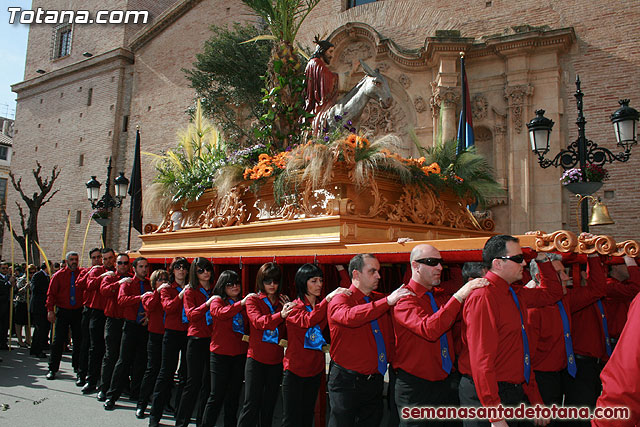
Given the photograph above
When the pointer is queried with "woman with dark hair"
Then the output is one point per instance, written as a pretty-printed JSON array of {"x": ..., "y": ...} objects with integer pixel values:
[
  {"x": 263, "y": 370},
  {"x": 197, "y": 301},
  {"x": 228, "y": 350},
  {"x": 155, "y": 325},
  {"x": 304, "y": 361},
  {"x": 174, "y": 341}
]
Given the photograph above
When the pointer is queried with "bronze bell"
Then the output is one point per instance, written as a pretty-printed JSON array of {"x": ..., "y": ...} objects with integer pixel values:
[{"x": 600, "y": 214}]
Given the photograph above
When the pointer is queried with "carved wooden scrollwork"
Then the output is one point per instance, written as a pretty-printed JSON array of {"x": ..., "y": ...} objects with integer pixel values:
[
  {"x": 225, "y": 211},
  {"x": 628, "y": 247},
  {"x": 380, "y": 204},
  {"x": 561, "y": 241},
  {"x": 603, "y": 245}
]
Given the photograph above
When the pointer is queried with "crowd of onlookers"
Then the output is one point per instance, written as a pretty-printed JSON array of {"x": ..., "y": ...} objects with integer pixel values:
[{"x": 498, "y": 333}]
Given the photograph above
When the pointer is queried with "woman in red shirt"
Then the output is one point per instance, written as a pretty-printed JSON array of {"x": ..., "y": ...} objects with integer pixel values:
[
  {"x": 174, "y": 341},
  {"x": 155, "y": 325},
  {"x": 197, "y": 300},
  {"x": 228, "y": 350},
  {"x": 304, "y": 361},
  {"x": 263, "y": 370}
]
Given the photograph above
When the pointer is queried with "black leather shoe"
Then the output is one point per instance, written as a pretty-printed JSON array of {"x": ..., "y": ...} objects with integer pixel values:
[
  {"x": 140, "y": 412},
  {"x": 109, "y": 405},
  {"x": 40, "y": 356},
  {"x": 51, "y": 375},
  {"x": 88, "y": 388},
  {"x": 102, "y": 396},
  {"x": 80, "y": 381}
]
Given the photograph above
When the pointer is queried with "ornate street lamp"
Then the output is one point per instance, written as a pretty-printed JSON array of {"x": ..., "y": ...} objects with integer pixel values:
[
  {"x": 105, "y": 205},
  {"x": 582, "y": 151}
]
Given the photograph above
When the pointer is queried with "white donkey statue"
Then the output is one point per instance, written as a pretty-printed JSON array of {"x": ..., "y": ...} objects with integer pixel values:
[{"x": 350, "y": 107}]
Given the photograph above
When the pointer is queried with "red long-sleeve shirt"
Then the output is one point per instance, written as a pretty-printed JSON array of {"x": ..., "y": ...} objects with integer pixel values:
[
  {"x": 109, "y": 288},
  {"x": 418, "y": 330},
  {"x": 586, "y": 324},
  {"x": 153, "y": 308},
  {"x": 82, "y": 279},
  {"x": 492, "y": 334},
  {"x": 621, "y": 375},
  {"x": 196, "y": 309},
  {"x": 224, "y": 340},
  {"x": 618, "y": 299},
  {"x": 353, "y": 345},
  {"x": 549, "y": 352},
  {"x": 260, "y": 320},
  {"x": 59, "y": 293},
  {"x": 95, "y": 298},
  {"x": 173, "y": 305},
  {"x": 129, "y": 296},
  {"x": 302, "y": 361}
]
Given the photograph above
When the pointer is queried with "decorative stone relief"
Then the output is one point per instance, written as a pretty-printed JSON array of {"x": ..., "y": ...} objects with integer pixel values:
[
  {"x": 479, "y": 107},
  {"x": 448, "y": 97},
  {"x": 381, "y": 121},
  {"x": 383, "y": 67},
  {"x": 420, "y": 104},
  {"x": 355, "y": 51},
  {"x": 404, "y": 80},
  {"x": 516, "y": 96}
]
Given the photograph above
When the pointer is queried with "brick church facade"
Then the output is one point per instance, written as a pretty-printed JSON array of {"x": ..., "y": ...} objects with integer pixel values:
[{"x": 87, "y": 87}]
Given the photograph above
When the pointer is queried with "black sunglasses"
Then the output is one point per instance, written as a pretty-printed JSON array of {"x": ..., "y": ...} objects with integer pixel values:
[
  {"x": 231, "y": 285},
  {"x": 181, "y": 267},
  {"x": 431, "y": 262},
  {"x": 515, "y": 258},
  {"x": 123, "y": 262},
  {"x": 202, "y": 270}
]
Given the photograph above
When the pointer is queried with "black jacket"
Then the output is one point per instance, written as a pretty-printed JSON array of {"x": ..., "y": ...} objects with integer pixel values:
[{"x": 39, "y": 288}]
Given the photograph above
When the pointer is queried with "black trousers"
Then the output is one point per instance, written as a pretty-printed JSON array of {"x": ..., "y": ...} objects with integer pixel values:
[
  {"x": 227, "y": 374},
  {"x": 414, "y": 391},
  {"x": 40, "y": 333},
  {"x": 174, "y": 344},
  {"x": 299, "y": 396},
  {"x": 584, "y": 389},
  {"x": 96, "y": 345},
  {"x": 196, "y": 390},
  {"x": 112, "y": 338},
  {"x": 65, "y": 319},
  {"x": 154, "y": 360},
  {"x": 4, "y": 320},
  {"x": 510, "y": 395},
  {"x": 553, "y": 386},
  {"x": 261, "y": 385},
  {"x": 83, "y": 356},
  {"x": 355, "y": 399},
  {"x": 132, "y": 359}
]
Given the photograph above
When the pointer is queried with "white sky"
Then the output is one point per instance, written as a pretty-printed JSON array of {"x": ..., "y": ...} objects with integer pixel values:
[{"x": 13, "y": 51}]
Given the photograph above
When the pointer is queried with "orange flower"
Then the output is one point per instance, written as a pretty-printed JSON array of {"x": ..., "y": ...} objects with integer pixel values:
[
  {"x": 264, "y": 158},
  {"x": 267, "y": 171}
]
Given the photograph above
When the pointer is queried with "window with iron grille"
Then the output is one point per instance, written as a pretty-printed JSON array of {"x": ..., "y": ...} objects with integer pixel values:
[
  {"x": 354, "y": 3},
  {"x": 62, "y": 41}
]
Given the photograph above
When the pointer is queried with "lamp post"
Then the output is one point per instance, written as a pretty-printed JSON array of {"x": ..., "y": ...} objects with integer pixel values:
[
  {"x": 583, "y": 151},
  {"x": 105, "y": 205}
]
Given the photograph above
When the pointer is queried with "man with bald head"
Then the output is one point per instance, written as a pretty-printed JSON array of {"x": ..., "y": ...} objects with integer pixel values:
[{"x": 424, "y": 343}]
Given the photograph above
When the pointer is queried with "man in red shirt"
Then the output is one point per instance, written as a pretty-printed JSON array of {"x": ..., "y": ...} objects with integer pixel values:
[
  {"x": 495, "y": 361},
  {"x": 133, "y": 348},
  {"x": 422, "y": 324},
  {"x": 623, "y": 284},
  {"x": 621, "y": 376},
  {"x": 361, "y": 345},
  {"x": 64, "y": 310},
  {"x": 94, "y": 302}
]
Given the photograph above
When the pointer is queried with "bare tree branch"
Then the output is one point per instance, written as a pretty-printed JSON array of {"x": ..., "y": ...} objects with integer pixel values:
[{"x": 47, "y": 201}]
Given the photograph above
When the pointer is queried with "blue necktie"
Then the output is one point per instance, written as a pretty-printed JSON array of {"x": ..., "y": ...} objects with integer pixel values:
[
  {"x": 444, "y": 342},
  {"x": 382, "y": 351},
  {"x": 140, "y": 315},
  {"x": 313, "y": 339},
  {"x": 208, "y": 317},
  {"x": 568, "y": 345},
  {"x": 238, "y": 323},
  {"x": 72, "y": 291},
  {"x": 525, "y": 340},
  {"x": 270, "y": 335},
  {"x": 605, "y": 328}
]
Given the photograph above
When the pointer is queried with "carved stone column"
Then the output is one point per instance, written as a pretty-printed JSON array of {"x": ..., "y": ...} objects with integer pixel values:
[
  {"x": 516, "y": 97},
  {"x": 443, "y": 104}
]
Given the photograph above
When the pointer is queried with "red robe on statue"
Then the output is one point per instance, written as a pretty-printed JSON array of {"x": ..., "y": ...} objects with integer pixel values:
[{"x": 322, "y": 90}]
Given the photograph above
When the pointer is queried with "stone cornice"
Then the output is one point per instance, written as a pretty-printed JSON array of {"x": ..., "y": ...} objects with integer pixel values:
[
  {"x": 119, "y": 55},
  {"x": 164, "y": 20},
  {"x": 559, "y": 39}
]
